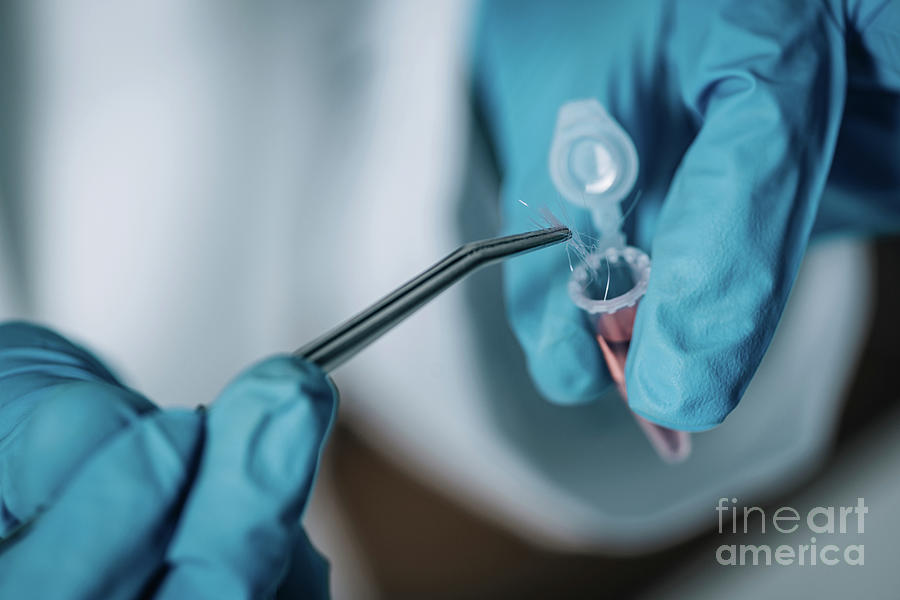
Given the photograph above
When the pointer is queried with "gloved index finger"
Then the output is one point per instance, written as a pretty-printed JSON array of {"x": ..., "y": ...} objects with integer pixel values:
[
  {"x": 34, "y": 358},
  {"x": 58, "y": 404},
  {"x": 107, "y": 534},
  {"x": 767, "y": 80},
  {"x": 30, "y": 355}
]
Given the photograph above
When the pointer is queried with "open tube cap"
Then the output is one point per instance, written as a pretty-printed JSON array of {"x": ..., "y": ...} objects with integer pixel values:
[{"x": 593, "y": 162}]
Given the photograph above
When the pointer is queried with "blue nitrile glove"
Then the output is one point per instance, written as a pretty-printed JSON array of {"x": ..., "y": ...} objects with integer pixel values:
[
  {"x": 738, "y": 110},
  {"x": 104, "y": 496}
]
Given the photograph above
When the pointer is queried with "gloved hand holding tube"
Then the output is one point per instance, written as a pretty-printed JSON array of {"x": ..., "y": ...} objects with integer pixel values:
[{"x": 740, "y": 114}]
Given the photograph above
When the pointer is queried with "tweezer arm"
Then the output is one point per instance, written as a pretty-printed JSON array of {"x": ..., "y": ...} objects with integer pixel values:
[{"x": 341, "y": 343}]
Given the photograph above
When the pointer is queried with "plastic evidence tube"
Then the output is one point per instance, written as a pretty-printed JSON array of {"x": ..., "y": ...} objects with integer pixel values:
[{"x": 608, "y": 288}]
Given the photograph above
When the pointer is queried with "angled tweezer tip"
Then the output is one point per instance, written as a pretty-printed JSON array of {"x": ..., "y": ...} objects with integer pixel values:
[{"x": 511, "y": 245}]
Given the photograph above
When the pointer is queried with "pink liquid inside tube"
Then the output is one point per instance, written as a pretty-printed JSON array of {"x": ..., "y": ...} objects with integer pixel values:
[
  {"x": 614, "y": 337},
  {"x": 614, "y": 321}
]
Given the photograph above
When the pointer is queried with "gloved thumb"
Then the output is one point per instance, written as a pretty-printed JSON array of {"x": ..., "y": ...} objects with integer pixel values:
[
  {"x": 769, "y": 81},
  {"x": 264, "y": 439}
]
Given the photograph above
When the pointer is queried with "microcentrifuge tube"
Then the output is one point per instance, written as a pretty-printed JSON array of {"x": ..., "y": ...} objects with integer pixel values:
[
  {"x": 608, "y": 288},
  {"x": 594, "y": 165}
]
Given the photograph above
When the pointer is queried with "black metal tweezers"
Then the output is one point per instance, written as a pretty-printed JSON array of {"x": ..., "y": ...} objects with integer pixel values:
[{"x": 335, "y": 347}]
